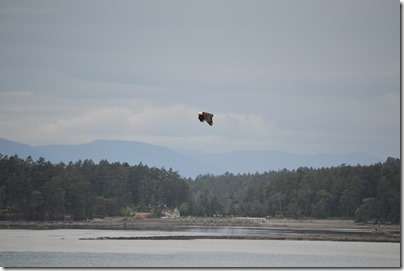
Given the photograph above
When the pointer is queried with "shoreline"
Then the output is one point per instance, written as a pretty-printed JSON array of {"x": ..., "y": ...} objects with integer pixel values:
[
  {"x": 299, "y": 237},
  {"x": 289, "y": 229}
]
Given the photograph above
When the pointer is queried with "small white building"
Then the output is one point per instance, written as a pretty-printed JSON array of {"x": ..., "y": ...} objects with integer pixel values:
[{"x": 174, "y": 214}]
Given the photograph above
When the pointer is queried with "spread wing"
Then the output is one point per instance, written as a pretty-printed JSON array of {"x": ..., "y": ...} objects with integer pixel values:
[{"x": 209, "y": 118}]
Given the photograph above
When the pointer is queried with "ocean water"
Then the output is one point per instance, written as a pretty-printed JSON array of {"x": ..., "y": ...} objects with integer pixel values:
[{"x": 62, "y": 248}]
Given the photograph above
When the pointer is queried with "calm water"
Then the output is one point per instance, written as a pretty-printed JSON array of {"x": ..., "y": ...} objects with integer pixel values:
[{"x": 62, "y": 248}]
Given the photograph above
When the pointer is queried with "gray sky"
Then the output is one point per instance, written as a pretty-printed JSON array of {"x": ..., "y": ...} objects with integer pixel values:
[{"x": 312, "y": 76}]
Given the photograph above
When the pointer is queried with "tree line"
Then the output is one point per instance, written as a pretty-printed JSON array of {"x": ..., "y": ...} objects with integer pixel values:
[
  {"x": 40, "y": 190},
  {"x": 360, "y": 192}
]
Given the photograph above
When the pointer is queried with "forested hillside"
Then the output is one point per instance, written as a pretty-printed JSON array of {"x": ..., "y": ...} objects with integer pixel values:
[
  {"x": 362, "y": 192},
  {"x": 39, "y": 190},
  {"x": 42, "y": 190}
]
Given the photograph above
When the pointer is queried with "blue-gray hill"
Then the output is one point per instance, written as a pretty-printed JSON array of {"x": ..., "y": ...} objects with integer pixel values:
[{"x": 188, "y": 164}]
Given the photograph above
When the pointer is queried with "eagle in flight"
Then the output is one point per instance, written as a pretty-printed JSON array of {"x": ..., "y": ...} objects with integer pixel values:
[{"x": 202, "y": 116}]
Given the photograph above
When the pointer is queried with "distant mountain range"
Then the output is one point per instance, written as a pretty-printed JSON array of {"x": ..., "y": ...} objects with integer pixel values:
[{"x": 188, "y": 163}]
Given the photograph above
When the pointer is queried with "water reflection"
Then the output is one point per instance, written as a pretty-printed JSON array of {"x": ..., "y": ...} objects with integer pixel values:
[{"x": 259, "y": 231}]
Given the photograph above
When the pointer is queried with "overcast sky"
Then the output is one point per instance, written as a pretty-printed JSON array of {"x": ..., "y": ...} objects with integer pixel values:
[{"x": 302, "y": 76}]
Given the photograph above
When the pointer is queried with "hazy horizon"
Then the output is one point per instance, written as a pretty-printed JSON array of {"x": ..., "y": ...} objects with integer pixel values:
[{"x": 188, "y": 151}]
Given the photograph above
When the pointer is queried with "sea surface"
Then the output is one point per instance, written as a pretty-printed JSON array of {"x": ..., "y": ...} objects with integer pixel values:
[{"x": 63, "y": 248}]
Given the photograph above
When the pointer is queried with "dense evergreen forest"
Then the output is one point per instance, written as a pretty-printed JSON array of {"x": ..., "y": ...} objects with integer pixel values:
[
  {"x": 360, "y": 192},
  {"x": 40, "y": 190}
]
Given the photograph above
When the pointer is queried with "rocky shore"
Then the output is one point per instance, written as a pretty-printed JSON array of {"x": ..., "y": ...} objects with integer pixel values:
[{"x": 288, "y": 229}]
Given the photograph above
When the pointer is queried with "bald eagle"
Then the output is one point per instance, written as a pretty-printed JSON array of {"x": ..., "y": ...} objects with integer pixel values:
[{"x": 202, "y": 116}]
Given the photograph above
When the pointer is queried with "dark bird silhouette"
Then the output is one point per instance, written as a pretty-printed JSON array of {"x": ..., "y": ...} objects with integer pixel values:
[{"x": 202, "y": 116}]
